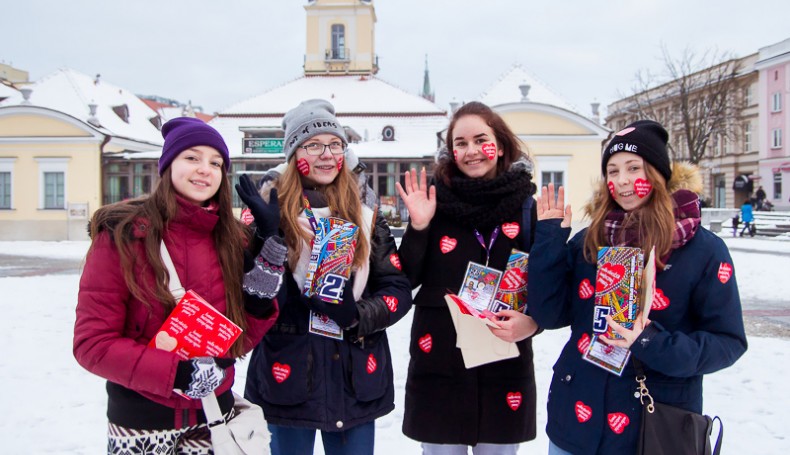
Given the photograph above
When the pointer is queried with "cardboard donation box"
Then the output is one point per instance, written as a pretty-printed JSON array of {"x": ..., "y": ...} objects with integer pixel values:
[
  {"x": 331, "y": 259},
  {"x": 618, "y": 283},
  {"x": 196, "y": 329}
]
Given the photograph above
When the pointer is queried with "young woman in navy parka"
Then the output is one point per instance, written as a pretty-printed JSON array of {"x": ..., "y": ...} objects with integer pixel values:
[{"x": 695, "y": 324}]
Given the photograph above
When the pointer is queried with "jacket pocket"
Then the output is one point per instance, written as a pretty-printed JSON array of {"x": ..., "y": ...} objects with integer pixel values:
[
  {"x": 286, "y": 369},
  {"x": 370, "y": 370}
]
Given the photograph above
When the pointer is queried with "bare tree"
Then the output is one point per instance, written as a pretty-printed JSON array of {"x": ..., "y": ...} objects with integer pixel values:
[{"x": 700, "y": 102}]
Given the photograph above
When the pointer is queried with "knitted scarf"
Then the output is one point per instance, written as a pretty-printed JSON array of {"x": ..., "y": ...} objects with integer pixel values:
[
  {"x": 480, "y": 203},
  {"x": 620, "y": 232}
]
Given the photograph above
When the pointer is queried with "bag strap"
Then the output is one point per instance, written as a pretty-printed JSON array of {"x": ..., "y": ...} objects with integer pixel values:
[
  {"x": 175, "y": 283},
  {"x": 717, "y": 448},
  {"x": 213, "y": 413}
]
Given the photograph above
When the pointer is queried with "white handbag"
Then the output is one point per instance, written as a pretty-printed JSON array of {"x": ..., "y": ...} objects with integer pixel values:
[{"x": 246, "y": 432}]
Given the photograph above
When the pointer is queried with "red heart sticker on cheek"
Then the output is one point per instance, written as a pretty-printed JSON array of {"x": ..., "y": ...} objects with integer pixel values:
[
  {"x": 611, "y": 188},
  {"x": 642, "y": 187},
  {"x": 340, "y": 163},
  {"x": 303, "y": 166},
  {"x": 489, "y": 149},
  {"x": 455, "y": 155}
]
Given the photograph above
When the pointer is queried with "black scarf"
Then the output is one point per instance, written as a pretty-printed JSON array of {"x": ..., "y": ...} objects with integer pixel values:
[{"x": 480, "y": 203}]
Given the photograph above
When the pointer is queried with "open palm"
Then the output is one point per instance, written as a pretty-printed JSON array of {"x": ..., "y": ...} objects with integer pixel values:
[
  {"x": 419, "y": 199},
  {"x": 549, "y": 208}
]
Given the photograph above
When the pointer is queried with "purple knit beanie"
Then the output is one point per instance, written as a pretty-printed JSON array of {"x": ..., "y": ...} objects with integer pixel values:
[{"x": 182, "y": 133}]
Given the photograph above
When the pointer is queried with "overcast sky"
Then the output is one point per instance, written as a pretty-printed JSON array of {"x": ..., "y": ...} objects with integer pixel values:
[{"x": 219, "y": 52}]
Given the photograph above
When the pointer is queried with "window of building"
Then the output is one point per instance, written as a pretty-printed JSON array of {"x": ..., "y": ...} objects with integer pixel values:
[
  {"x": 717, "y": 146},
  {"x": 777, "y": 185},
  {"x": 388, "y": 133},
  {"x": 125, "y": 180},
  {"x": 776, "y": 138},
  {"x": 748, "y": 95},
  {"x": 776, "y": 102},
  {"x": 6, "y": 182},
  {"x": 338, "y": 41},
  {"x": 555, "y": 177},
  {"x": 747, "y": 137},
  {"x": 5, "y": 190},
  {"x": 54, "y": 190},
  {"x": 52, "y": 183}
]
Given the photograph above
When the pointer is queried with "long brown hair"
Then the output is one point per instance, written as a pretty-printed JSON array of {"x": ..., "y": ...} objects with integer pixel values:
[
  {"x": 654, "y": 220},
  {"x": 505, "y": 139},
  {"x": 342, "y": 196},
  {"x": 230, "y": 237}
]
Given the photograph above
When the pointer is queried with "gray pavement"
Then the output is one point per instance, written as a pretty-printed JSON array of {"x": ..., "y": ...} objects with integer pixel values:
[{"x": 23, "y": 266}]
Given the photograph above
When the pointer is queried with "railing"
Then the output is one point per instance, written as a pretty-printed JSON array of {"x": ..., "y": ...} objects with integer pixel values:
[{"x": 338, "y": 54}]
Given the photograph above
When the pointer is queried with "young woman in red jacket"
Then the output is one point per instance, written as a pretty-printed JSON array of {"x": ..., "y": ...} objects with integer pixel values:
[{"x": 124, "y": 295}]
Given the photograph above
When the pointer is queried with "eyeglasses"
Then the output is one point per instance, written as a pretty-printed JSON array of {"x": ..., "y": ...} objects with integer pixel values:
[{"x": 317, "y": 149}]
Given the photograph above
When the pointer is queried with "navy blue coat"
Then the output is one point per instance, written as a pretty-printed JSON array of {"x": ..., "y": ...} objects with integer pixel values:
[
  {"x": 699, "y": 330},
  {"x": 306, "y": 380}
]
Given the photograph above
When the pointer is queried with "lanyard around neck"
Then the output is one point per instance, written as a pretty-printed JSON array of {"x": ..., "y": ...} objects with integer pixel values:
[
  {"x": 491, "y": 241},
  {"x": 308, "y": 211}
]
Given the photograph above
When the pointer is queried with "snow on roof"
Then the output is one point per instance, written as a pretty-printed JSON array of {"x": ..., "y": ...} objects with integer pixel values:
[
  {"x": 415, "y": 136},
  {"x": 71, "y": 92},
  {"x": 506, "y": 90},
  {"x": 349, "y": 95}
]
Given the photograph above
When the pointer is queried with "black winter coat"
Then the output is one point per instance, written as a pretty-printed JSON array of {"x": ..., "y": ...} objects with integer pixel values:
[
  {"x": 697, "y": 328},
  {"x": 306, "y": 380},
  {"x": 445, "y": 402}
]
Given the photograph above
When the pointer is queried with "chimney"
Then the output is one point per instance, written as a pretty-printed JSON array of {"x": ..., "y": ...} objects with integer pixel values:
[
  {"x": 92, "y": 119},
  {"x": 596, "y": 116},
  {"x": 524, "y": 87},
  {"x": 454, "y": 105},
  {"x": 97, "y": 79},
  {"x": 26, "y": 95}
]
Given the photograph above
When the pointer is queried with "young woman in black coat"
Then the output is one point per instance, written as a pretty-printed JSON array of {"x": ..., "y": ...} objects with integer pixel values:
[{"x": 483, "y": 190}]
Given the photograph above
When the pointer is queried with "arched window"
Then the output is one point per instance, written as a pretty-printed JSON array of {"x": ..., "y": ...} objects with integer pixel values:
[{"x": 339, "y": 41}]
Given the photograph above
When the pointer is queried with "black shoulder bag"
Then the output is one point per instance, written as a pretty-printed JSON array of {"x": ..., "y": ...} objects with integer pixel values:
[{"x": 667, "y": 430}]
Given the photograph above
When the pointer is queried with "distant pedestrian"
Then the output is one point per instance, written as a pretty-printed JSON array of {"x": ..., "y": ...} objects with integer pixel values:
[
  {"x": 747, "y": 216},
  {"x": 760, "y": 196}
]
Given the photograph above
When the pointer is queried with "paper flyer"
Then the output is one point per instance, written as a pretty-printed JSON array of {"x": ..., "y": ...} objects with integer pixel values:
[{"x": 196, "y": 329}]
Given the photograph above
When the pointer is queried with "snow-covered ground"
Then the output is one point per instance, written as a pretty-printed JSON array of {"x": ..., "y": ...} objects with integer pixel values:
[{"x": 51, "y": 405}]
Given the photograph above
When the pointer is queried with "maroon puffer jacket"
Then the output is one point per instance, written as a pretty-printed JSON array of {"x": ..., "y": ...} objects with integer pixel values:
[{"x": 112, "y": 329}]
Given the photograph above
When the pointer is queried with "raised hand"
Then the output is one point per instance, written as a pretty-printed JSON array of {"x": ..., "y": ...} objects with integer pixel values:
[
  {"x": 419, "y": 199},
  {"x": 549, "y": 208},
  {"x": 267, "y": 216}
]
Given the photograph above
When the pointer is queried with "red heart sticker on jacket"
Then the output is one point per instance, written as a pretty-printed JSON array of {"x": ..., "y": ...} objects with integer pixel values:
[
  {"x": 447, "y": 244},
  {"x": 425, "y": 343},
  {"x": 392, "y": 302},
  {"x": 511, "y": 230},
  {"x": 609, "y": 276},
  {"x": 513, "y": 280},
  {"x": 514, "y": 400},
  {"x": 583, "y": 412},
  {"x": 395, "y": 260},
  {"x": 618, "y": 421},
  {"x": 642, "y": 187},
  {"x": 583, "y": 344},
  {"x": 489, "y": 150},
  {"x": 371, "y": 364},
  {"x": 280, "y": 371},
  {"x": 725, "y": 272},
  {"x": 585, "y": 289},
  {"x": 246, "y": 217},
  {"x": 660, "y": 301}
]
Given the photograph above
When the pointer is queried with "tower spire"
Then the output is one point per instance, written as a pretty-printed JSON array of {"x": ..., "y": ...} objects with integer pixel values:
[{"x": 426, "y": 84}]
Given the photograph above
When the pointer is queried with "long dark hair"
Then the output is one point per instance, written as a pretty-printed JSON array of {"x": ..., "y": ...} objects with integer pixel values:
[
  {"x": 230, "y": 237},
  {"x": 505, "y": 139}
]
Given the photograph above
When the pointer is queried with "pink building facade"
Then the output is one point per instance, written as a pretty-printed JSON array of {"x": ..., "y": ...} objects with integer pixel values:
[{"x": 774, "y": 89}]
